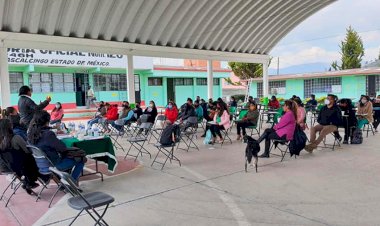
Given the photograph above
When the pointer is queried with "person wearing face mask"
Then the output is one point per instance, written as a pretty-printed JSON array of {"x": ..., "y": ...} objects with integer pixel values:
[
  {"x": 151, "y": 111},
  {"x": 171, "y": 113},
  {"x": 198, "y": 110},
  {"x": 138, "y": 111},
  {"x": 329, "y": 118},
  {"x": 365, "y": 112},
  {"x": 273, "y": 103},
  {"x": 56, "y": 114}
]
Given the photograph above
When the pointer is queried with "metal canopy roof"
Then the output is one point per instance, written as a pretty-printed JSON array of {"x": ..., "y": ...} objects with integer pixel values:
[{"x": 243, "y": 30}]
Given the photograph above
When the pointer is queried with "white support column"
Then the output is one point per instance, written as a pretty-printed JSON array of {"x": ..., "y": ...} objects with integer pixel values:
[
  {"x": 210, "y": 79},
  {"x": 265, "y": 80},
  {"x": 5, "y": 90},
  {"x": 130, "y": 79}
]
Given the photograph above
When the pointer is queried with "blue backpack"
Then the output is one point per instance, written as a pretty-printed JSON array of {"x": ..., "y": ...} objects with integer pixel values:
[{"x": 208, "y": 137}]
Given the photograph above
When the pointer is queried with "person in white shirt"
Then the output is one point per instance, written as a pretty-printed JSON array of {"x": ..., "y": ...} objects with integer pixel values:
[{"x": 90, "y": 97}]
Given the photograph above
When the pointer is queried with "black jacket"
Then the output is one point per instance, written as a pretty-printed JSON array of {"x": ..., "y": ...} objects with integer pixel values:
[
  {"x": 27, "y": 107},
  {"x": 189, "y": 112},
  {"x": 51, "y": 145},
  {"x": 152, "y": 114},
  {"x": 330, "y": 116}
]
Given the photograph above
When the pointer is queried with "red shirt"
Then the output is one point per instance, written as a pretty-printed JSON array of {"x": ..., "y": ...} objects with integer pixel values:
[
  {"x": 112, "y": 113},
  {"x": 171, "y": 114},
  {"x": 274, "y": 104}
]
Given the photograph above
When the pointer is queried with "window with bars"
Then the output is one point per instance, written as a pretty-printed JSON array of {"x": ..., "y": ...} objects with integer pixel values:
[
  {"x": 41, "y": 82},
  {"x": 259, "y": 89},
  {"x": 15, "y": 81},
  {"x": 203, "y": 81},
  {"x": 110, "y": 82},
  {"x": 183, "y": 82},
  {"x": 322, "y": 85},
  {"x": 154, "y": 81}
]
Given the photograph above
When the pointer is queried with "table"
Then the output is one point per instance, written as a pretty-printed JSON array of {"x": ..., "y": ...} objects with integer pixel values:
[
  {"x": 98, "y": 149},
  {"x": 269, "y": 114}
]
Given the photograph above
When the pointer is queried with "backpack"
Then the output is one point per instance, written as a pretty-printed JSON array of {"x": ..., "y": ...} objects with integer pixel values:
[
  {"x": 357, "y": 136},
  {"x": 298, "y": 143},
  {"x": 167, "y": 133},
  {"x": 208, "y": 137}
]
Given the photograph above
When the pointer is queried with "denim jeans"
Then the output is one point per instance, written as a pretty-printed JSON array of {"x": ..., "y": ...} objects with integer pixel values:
[
  {"x": 92, "y": 121},
  {"x": 67, "y": 163}
]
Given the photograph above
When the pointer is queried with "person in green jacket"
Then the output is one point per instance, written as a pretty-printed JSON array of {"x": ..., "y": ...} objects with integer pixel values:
[{"x": 250, "y": 119}]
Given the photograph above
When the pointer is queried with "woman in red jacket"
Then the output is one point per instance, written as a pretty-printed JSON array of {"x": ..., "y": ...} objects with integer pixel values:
[
  {"x": 273, "y": 103},
  {"x": 171, "y": 113},
  {"x": 111, "y": 115}
]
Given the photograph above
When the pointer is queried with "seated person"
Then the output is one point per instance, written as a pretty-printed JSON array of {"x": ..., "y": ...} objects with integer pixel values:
[
  {"x": 125, "y": 104},
  {"x": 210, "y": 116},
  {"x": 376, "y": 109},
  {"x": 56, "y": 114},
  {"x": 221, "y": 122},
  {"x": 126, "y": 116},
  {"x": 349, "y": 122},
  {"x": 301, "y": 114},
  {"x": 171, "y": 113},
  {"x": 365, "y": 112},
  {"x": 111, "y": 115},
  {"x": 151, "y": 111},
  {"x": 233, "y": 102},
  {"x": 273, "y": 103},
  {"x": 284, "y": 130},
  {"x": 12, "y": 114},
  {"x": 250, "y": 100},
  {"x": 311, "y": 104},
  {"x": 198, "y": 110},
  {"x": 13, "y": 150},
  {"x": 40, "y": 135},
  {"x": 329, "y": 118},
  {"x": 138, "y": 111},
  {"x": 102, "y": 111},
  {"x": 250, "y": 119},
  {"x": 189, "y": 110}
]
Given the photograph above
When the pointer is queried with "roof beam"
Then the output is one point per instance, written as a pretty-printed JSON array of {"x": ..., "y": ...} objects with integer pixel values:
[{"x": 35, "y": 41}]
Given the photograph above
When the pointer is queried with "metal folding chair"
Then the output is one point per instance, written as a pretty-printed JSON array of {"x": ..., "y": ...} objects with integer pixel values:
[
  {"x": 282, "y": 146},
  {"x": 157, "y": 128},
  {"x": 367, "y": 128},
  {"x": 14, "y": 184},
  {"x": 331, "y": 146},
  {"x": 139, "y": 140},
  {"x": 43, "y": 163},
  {"x": 84, "y": 202},
  {"x": 188, "y": 134},
  {"x": 168, "y": 151}
]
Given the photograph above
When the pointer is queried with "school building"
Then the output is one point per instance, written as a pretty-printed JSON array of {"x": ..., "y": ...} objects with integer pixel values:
[
  {"x": 66, "y": 75},
  {"x": 347, "y": 83}
]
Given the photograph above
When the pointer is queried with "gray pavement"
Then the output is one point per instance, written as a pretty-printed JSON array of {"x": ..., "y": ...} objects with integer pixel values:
[{"x": 211, "y": 188}]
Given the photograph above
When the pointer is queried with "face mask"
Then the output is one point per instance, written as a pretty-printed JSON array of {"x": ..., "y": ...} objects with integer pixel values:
[
  {"x": 327, "y": 101},
  {"x": 57, "y": 106},
  {"x": 364, "y": 101},
  {"x": 170, "y": 106},
  {"x": 151, "y": 105}
]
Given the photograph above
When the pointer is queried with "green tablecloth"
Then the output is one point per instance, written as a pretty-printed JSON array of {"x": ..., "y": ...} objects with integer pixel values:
[{"x": 101, "y": 149}]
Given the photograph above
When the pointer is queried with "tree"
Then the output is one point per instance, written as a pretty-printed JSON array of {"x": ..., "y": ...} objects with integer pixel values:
[{"x": 352, "y": 51}]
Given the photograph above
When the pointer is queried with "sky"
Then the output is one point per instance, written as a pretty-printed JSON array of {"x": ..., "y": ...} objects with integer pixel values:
[{"x": 317, "y": 39}]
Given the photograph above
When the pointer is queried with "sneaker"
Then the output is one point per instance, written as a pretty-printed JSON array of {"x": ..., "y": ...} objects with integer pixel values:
[{"x": 238, "y": 137}]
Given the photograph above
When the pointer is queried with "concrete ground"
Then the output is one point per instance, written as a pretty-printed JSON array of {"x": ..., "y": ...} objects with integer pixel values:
[{"x": 211, "y": 188}]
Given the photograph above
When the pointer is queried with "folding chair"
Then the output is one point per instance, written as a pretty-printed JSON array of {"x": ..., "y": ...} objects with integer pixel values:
[
  {"x": 225, "y": 135},
  {"x": 43, "y": 163},
  {"x": 276, "y": 144},
  {"x": 331, "y": 146},
  {"x": 368, "y": 127},
  {"x": 164, "y": 149},
  {"x": 157, "y": 127},
  {"x": 84, "y": 202},
  {"x": 188, "y": 134},
  {"x": 14, "y": 184},
  {"x": 139, "y": 140}
]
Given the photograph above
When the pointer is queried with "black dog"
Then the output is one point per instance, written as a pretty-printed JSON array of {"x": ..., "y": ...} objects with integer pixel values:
[{"x": 252, "y": 149}]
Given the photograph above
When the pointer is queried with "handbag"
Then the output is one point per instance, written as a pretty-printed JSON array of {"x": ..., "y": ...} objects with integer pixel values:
[{"x": 77, "y": 154}]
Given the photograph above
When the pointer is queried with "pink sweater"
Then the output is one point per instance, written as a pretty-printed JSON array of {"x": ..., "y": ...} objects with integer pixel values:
[
  {"x": 286, "y": 126},
  {"x": 224, "y": 120},
  {"x": 55, "y": 115},
  {"x": 301, "y": 114}
]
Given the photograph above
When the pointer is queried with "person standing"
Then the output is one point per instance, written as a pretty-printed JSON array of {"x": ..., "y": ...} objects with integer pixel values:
[
  {"x": 90, "y": 97},
  {"x": 27, "y": 107}
]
